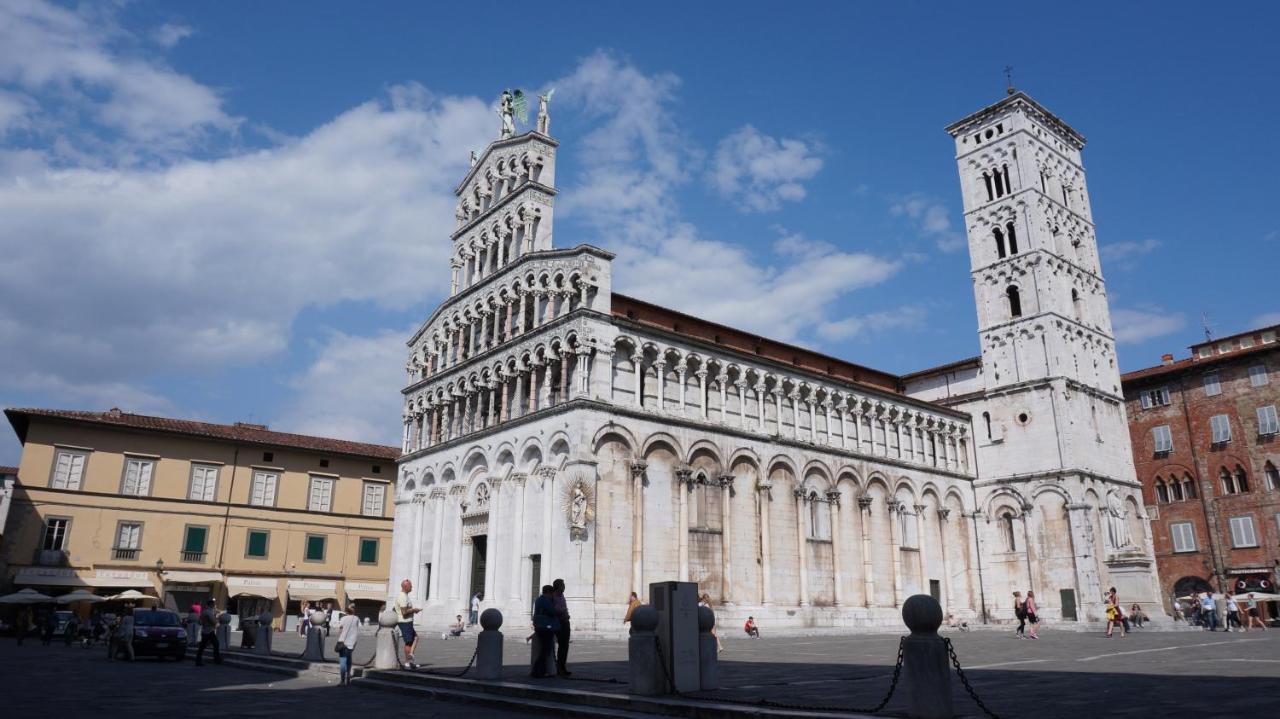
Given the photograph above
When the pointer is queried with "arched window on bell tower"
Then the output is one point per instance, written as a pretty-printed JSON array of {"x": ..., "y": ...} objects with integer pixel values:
[
  {"x": 1013, "y": 238},
  {"x": 999, "y": 241},
  {"x": 1015, "y": 301}
]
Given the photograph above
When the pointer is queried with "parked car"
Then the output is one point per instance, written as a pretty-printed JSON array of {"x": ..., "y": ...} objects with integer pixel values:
[{"x": 158, "y": 633}]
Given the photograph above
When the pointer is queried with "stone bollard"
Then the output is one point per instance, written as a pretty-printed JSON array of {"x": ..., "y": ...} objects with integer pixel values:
[
  {"x": 489, "y": 646},
  {"x": 224, "y": 630},
  {"x": 708, "y": 658},
  {"x": 386, "y": 656},
  {"x": 315, "y": 637},
  {"x": 644, "y": 669},
  {"x": 262, "y": 645},
  {"x": 926, "y": 672},
  {"x": 193, "y": 630}
]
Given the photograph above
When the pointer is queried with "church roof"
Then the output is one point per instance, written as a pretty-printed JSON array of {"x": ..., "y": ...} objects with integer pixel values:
[{"x": 1034, "y": 108}]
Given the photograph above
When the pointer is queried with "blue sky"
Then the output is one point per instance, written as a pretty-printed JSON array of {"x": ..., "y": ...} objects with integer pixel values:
[{"x": 235, "y": 212}]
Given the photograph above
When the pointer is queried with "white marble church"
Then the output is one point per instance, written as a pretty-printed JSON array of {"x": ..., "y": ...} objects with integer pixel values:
[{"x": 555, "y": 428}]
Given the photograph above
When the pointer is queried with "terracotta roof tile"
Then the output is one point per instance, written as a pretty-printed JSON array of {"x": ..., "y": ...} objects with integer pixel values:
[{"x": 238, "y": 432}]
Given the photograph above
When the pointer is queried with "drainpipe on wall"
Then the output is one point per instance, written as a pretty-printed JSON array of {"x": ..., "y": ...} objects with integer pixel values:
[{"x": 226, "y": 516}]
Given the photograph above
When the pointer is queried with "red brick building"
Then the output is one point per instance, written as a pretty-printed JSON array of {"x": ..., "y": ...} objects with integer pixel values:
[{"x": 1206, "y": 444}]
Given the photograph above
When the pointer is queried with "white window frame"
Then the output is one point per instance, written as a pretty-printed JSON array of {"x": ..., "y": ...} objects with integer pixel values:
[
  {"x": 1183, "y": 536},
  {"x": 204, "y": 482},
  {"x": 63, "y": 535},
  {"x": 1272, "y": 475},
  {"x": 1220, "y": 428},
  {"x": 1158, "y": 397},
  {"x": 1162, "y": 438},
  {"x": 133, "y": 540},
  {"x": 263, "y": 491},
  {"x": 1258, "y": 375},
  {"x": 73, "y": 476},
  {"x": 320, "y": 494},
  {"x": 374, "y": 499},
  {"x": 1268, "y": 423},
  {"x": 1212, "y": 384},
  {"x": 141, "y": 473},
  {"x": 1243, "y": 532}
]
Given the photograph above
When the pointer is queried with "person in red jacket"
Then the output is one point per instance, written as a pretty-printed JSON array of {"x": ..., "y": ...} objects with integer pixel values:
[{"x": 751, "y": 629}]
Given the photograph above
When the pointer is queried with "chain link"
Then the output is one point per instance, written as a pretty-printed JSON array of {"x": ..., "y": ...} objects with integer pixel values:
[
  {"x": 470, "y": 663},
  {"x": 955, "y": 662}
]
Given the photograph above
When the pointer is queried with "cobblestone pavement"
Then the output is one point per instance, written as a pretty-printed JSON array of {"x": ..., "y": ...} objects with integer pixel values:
[{"x": 1061, "y": 675}]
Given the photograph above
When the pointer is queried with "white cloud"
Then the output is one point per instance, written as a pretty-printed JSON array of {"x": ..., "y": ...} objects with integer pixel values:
[
  {"x": 758, "y": 172},
  {"x": 1123, "y": 255},
  {"x": 170, "y": 34},
  {"x": 351, "y": 390},
  {"x": 908, "y": 317},
  {"x": 631, "y": 167},
  {"x": 74, "y": 59},
  {"x": 114, "y": 274},
  {"x": 1132, "y": 326},
  {"x": 931, "y": 219}
]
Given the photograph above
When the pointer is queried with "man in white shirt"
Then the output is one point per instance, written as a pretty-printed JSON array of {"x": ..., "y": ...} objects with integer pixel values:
[
  {"x": 404, "y": 613},
  {"x": 475, "y": 608}
]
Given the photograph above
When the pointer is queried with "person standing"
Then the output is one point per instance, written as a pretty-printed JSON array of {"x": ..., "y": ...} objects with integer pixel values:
[
  {"x": 1020, "y": 613},
  {"x": 632, "y": 603},
  {"x": 73, "y": 629},
  {"x": 705, "y": 601},
  {"x": 304, "y": 624},
  {"x": 208, "y": 619},
  {"x": 1233, "y": 612},
  {"x": 348, "y": 635},
  {"x": 1251, "y": 615},
  {"x": 405, "y": 611},
  {"x": 1115, "y": 615},
  {"x": 475, "y": 608},
  {"x": 545, "y": 626},
  {"x": 1209, "y": 608},
  {"x": 562, "y": 634},
  {"x": 126, "y": 630},
  {"x": 1033, "y": 619},
  {"x": 48, "y": 623}
]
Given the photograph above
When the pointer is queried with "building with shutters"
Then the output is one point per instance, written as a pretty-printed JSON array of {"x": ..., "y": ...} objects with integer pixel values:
[
  {"x": 192, "y": 512},
  {"x": 1206, "y": 441}
]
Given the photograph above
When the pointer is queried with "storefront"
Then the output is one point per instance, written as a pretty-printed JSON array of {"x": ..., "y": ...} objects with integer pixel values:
[
  {"x": 184, "y": 589},
  {"x": 369, "y": 598},
  {"x": 307, "y": 590},
  {"x": 249, "y": 597}
]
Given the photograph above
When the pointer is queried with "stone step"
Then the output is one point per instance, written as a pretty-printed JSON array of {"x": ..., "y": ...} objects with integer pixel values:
[
  {"x": 588, "y": 702},
  {"x": 288, "y": 666}
]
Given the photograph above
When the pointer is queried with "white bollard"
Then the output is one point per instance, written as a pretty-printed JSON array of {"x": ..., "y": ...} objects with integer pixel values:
[
  {"x": 315, "y": 637},
  {"x": 926, "y": 671},
  {"x": 386, "y": 656},
  {"x": 263, "y": 643},
  {"x": 708, "y": 658},
  {"x": 489, "y": 646},
  {"x": 644, "y": 669}
]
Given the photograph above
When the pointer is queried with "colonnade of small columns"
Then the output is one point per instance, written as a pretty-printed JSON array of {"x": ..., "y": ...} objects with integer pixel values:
[
  {"x": 495, "y": 246},
  {"x": 500, "y": 180}
]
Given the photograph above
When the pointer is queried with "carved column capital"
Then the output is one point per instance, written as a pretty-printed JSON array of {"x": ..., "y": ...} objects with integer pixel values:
[
  {"x": 726, "y": 481},
  {"x": 919, "y": 509},
  {"x": 833, "y": 496},
  {"x": 637, "y": 467},
  {"x": 864, "y": 502},
  {"x": 943, "y": 513},
  {"x": 799, "y": 494}
]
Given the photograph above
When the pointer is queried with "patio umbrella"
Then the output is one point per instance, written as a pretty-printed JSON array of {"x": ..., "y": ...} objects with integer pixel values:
[
  {"x": 132, "y": 595},
  {"x": 80, "y": 595},
  {"x": 26, "y": 596},
  {"x": 1258, "y": 596}
]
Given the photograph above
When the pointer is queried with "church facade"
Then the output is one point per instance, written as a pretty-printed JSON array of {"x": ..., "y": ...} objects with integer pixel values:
[{"x": 555, "y": 428}]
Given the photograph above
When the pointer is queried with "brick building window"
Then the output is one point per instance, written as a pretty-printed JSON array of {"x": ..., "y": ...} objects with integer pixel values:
[
  {"x": 1188, "y": 486},
  {"x": 1242, "y": 532},
  {"x": 1237, "y": 483},
  {"x": 1273, "y": 477},
  {"x": 1175, "y": 490},
  {"x": 1162, "y": 439},
  {"x": 1258, "y": 375},
  {"x": 1158, "y": 397},
  {"x": 1212, "y": 385},
  {"x": 1220, "y": 428},
  {"x": 1184, "y": 536},
  {"x": 1162, "y": 491},
  {"x": 1267, "y": 422}
]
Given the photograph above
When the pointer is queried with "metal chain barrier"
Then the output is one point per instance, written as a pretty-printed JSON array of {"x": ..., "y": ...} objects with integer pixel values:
[
  {"x": 470, "y": 664},
  {"x": 955, "y": 662}
]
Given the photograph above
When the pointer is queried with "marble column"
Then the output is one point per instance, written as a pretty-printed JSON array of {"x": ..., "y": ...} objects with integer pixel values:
[
  {"x": 795, "y": 415},
  {"x": 419, "y": 522},
  {"x": 459, "y": 505},
  {"x": 681, "y": 374},
  {"x": 702, "y": 390},
  {"x": 497, "y": 523},
  {"x": 723, "y": 381},
  {"x": 533, "y": 390},
  {"x": 760, "y": 406},
  {"x": 548, "y": 475},
  {"x": 564, "y": 376},
  {"x": 868, "y": 565},
  {"x": 895, "y": 549},
  {"x": 802, "y": 543},
  {"x": 684, "y": 483},
  {"x": 833, "y": 499},
  {"x": 637, "y": 468},
  {"x": 582, "y": 371},
  {"x": 764, "y": 501},
  {"x": 741, "y": 386},
  {"x": 637, "y": 364},
  {"x": 517, "y": 481},
  {"x": 922, "y": 547},
  {"x": 660, "y": 369},
  {"x": 433, "y": 588},
  {"x": 726, "y": 538},
  {"x": 947, "y": 604}
]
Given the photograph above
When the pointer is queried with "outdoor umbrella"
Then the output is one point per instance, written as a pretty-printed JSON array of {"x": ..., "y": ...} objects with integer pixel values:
[
  {"x": 132, "y": 595},
  {"x": 26, "y": 596},
  {"x": 80, "y": 595},
  {"x": 1258, "y": 596}
]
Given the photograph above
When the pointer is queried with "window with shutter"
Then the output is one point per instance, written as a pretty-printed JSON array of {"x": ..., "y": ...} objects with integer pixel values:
[
  {"x": 129, "y": 535},
  {"x": 1258, "y": 375},
  {"x": 1267, "y": 420},
  {"x": 68, "y": 469},
  {"x": 315, "y": 548},
  {"x": 373, "y": 499},
  {"x": 1163, "y": 438},
  {"x": 204, "y": 482},
  {"x": 1221, "y": 428},
  {"x": 321, "y": 494},
  {"x": 1184, "y": 536},
  {"x": 1242, "y": 534},
  {"x": 256, "y": 543},
  {"x": 264, "y": 489},
  {"x": 55, "y": 533},
  {"x": 194, "y": 540},
  {"x": 137, "y": 477},
  {"x": 368, "y": 550},
  {"x": 1212, "y": 387}
]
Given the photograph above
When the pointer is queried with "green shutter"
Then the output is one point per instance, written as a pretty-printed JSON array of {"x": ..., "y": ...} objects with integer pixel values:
[
  {"x": 368, "y": 551},
  {"x": 315, "y": 548},
  {"x": 257, "y": 545},
  {"x": 195, "y": 539}
]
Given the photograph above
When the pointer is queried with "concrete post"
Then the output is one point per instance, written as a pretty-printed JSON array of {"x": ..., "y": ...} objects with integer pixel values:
[
  {"x": 644, "y": 670},
  {"x": 315, "y": 637},
  {"x": 489, "y": 646},
  {"x": 385, "y": 654},
  {"x": 224, "y": 630},
  {"x": 708, "y": 658},
  {"x": 193, "y": 630},
  {"x": 263, "y": 643},
  {"x": 926, "y": 671}
]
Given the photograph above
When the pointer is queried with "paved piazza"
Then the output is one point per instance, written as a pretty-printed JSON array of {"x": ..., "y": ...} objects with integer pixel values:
[{"x": 1061, "y": 675}]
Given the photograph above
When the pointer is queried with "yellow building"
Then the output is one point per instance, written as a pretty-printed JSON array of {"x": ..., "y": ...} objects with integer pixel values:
[{"x": 192, "y": 512}]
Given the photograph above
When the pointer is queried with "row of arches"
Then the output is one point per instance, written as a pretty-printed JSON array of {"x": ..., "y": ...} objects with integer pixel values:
[
  {"x": 490, "y": 247},
  {"x": 500, "y": 177}
]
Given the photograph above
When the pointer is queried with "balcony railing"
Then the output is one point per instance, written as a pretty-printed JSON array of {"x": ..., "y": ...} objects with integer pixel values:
[
  {"x": 193, "y": 557},
  {"x": 127, "y": 555}
]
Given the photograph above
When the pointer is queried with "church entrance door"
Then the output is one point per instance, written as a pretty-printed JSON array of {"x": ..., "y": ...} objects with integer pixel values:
[{"x": 478, "y": 547}]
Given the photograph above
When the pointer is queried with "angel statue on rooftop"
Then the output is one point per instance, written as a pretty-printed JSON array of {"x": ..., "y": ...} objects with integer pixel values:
[{"x": 511, "y": 106}]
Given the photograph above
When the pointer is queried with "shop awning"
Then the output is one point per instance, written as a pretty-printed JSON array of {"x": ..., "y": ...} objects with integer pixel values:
[
  {"x": 312, "y": 589},
  {"x": 49, "y": 577},
  {"x": 178, "y": 576},
  {"x": 265, "y": 587},
  {"x": 121, "y": 579},
  {"x": 367, "y": 590}
]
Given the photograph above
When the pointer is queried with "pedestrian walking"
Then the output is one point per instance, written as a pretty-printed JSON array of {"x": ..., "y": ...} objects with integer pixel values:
[
  {"x": 565, "y": 630},
  {"x": 1209, "y": 610},
  {"x": 348, "y": 635},
  {"x": 125, "y": 632},
  {"x": 545, "y": 626},
  {"x": 48, "y": 624},
  {"x": 632, "y": 603},
  {"x": 1252, "y": 618},
  {"x": 405, "y": 612},
  {"x": 208, "y": 619},
  {"x": 475, "y": 608},
  {"x": 1233, "y": 612},
  {"x": 1020, "y": 613},
  {"x": 1033, "y": 618},
  {"x": 705, "y": 601},
  {"x": 1177, "y": 610},
  {"x": 1115, "y": 615},
  {"x": 72, "y": 631},
  {"x": 304, "y": 624}
]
